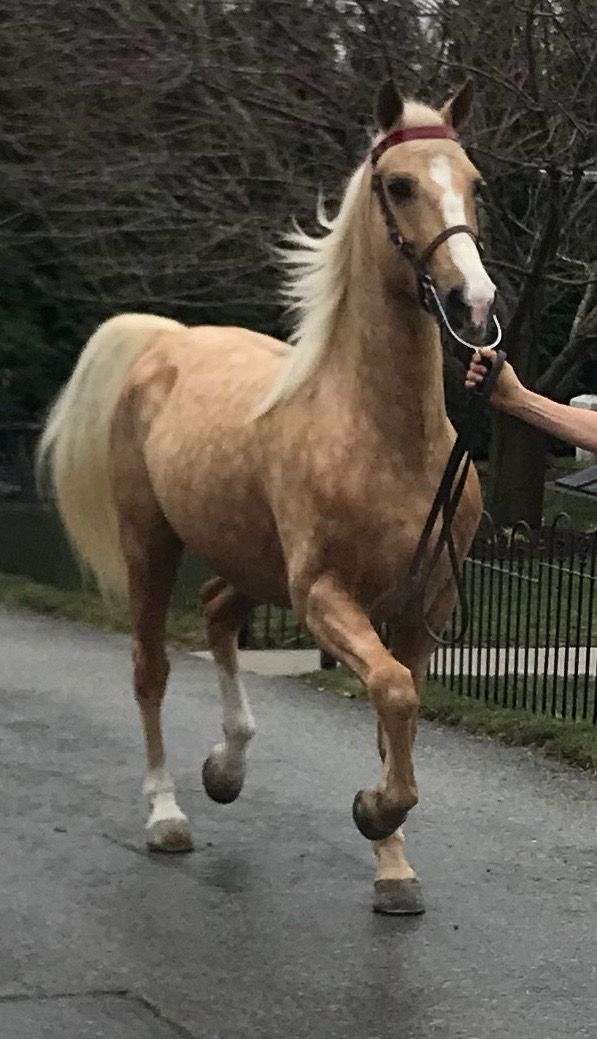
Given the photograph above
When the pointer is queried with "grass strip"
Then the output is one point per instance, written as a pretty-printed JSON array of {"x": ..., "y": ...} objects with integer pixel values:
[
  {"x": 184, "y": 626},
  {"x": 573, "y": 742}
]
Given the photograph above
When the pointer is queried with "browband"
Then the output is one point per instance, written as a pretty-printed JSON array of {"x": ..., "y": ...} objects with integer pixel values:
[{"x": 411, "y": 133}]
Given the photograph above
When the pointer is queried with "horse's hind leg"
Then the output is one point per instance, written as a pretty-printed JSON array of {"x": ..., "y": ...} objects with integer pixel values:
[
  {"x": 152, "y": 553},
  {"x": 224, "y": 769}
]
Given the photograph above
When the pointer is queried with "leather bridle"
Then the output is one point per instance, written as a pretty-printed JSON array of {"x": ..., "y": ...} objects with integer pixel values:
[{"x": 429, "y": 297}]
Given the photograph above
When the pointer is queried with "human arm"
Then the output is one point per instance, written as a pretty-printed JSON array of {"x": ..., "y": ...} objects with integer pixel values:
[{"x": 576, "y": 426}]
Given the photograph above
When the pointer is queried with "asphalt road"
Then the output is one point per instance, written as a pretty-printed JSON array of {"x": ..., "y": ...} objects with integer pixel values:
[{"x": 266, "y": 931}]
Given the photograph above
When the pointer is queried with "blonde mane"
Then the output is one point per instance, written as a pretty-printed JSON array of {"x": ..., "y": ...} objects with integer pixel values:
[{"x": 317, "y": 271}]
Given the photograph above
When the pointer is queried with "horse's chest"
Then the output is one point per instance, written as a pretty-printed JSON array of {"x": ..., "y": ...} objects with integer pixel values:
[
  {"x": 385, "y": 502},
  {"x": 365, "y": 522}
]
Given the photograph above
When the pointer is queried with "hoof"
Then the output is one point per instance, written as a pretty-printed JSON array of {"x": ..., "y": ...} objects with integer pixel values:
[
  {"x": 368, "y": 821},
  {"x": 170, "y": 836},
  {"x": 398, "y": 897},
  {"x": 220, "y": 787}
]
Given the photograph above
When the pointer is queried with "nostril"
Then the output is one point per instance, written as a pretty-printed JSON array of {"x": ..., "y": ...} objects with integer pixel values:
[
  {"x": 457, "y": 308},
  {"x": 456, "y": 297}
]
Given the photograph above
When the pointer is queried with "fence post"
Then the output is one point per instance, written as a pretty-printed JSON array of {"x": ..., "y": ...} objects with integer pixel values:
[
  {"x": 326, "y": 661},
  {"x": 244, "y": 634}
]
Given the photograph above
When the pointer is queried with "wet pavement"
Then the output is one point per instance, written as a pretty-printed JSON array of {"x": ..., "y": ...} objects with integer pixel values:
[{"x": 266, "y": 930}]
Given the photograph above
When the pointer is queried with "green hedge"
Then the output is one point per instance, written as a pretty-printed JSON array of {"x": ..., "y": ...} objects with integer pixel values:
[{"x": 33, "y": 544}]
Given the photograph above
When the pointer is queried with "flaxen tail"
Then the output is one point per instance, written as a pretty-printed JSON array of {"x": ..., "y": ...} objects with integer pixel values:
[{"x": 75, "y": 445}]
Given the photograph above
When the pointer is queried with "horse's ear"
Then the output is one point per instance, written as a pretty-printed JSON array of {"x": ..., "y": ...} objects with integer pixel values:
[
  {"x": 389, "y": 106},
  {"x": 458, "y": 107}
]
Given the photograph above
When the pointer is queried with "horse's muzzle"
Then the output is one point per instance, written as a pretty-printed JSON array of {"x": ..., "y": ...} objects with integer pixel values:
[{"x": 470, "y": 320}]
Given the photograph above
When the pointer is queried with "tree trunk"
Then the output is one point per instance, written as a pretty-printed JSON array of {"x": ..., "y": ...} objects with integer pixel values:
[
  {"x": 518, "y": 459},
  {"x": 560, "y": 375},
  {"x": 518, "y": 466}
]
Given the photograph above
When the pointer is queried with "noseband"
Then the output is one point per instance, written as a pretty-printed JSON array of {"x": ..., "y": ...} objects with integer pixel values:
[{"x": 429, "y": 297}]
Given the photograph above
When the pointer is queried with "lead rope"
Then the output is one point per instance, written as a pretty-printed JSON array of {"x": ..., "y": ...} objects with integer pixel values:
[{"x": 446, "y": 501}]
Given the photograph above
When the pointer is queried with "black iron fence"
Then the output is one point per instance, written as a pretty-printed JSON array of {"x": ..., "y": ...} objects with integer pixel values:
[
  {"x": 271, "y": 627},
  {"x": 532, "y": 639}
]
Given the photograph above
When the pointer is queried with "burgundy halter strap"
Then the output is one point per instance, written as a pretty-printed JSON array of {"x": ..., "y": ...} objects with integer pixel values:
[{"x": 411, "y": 133}]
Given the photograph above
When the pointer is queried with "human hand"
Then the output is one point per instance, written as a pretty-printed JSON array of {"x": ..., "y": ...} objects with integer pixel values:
[{"x": 508, "y": 387}]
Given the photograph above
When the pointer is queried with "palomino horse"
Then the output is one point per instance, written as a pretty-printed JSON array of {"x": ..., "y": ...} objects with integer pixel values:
[{"x": 304, "y": 475}]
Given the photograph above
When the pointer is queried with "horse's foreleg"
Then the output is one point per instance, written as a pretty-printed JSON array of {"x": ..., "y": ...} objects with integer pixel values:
[
  {"x": 224, "y": 769},
  {"x": 413, "y": 646},
  {"x": 397, "y": 890},
  {"x": 152, "y": 556},
  {"x": 343, "y": 629}
]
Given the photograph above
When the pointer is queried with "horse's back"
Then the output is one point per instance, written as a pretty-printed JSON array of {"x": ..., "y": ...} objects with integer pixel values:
[
  {"x": 235, "y": 338},
  {"x": 226, "y": 370}
]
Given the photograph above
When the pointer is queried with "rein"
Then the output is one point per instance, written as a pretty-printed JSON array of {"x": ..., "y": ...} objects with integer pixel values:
[
  {"x": 455, "y": 474},
  {"x": 446, "y": 502}
]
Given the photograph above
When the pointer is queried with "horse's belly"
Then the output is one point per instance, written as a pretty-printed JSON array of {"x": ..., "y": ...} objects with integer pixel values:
[{"x": 212, "y": 499}]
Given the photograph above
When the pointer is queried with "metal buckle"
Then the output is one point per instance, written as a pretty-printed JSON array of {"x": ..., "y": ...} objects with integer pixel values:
[{"x": 426, "y": 293}]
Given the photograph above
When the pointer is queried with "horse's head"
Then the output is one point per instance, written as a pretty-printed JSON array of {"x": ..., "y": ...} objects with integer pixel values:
[{"x": 426, "y": 185}]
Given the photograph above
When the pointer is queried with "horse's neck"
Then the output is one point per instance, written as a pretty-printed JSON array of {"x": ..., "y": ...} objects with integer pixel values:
[{"x": 384, "y": 358}]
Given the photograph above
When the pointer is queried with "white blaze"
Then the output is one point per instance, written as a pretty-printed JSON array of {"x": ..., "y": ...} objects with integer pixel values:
[{"x": 478, "y": 289}]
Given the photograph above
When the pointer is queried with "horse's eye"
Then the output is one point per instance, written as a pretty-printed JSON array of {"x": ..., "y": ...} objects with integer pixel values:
[
  {"x": 401, "y": 188},
  {"x": 478, "y": 186}
]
